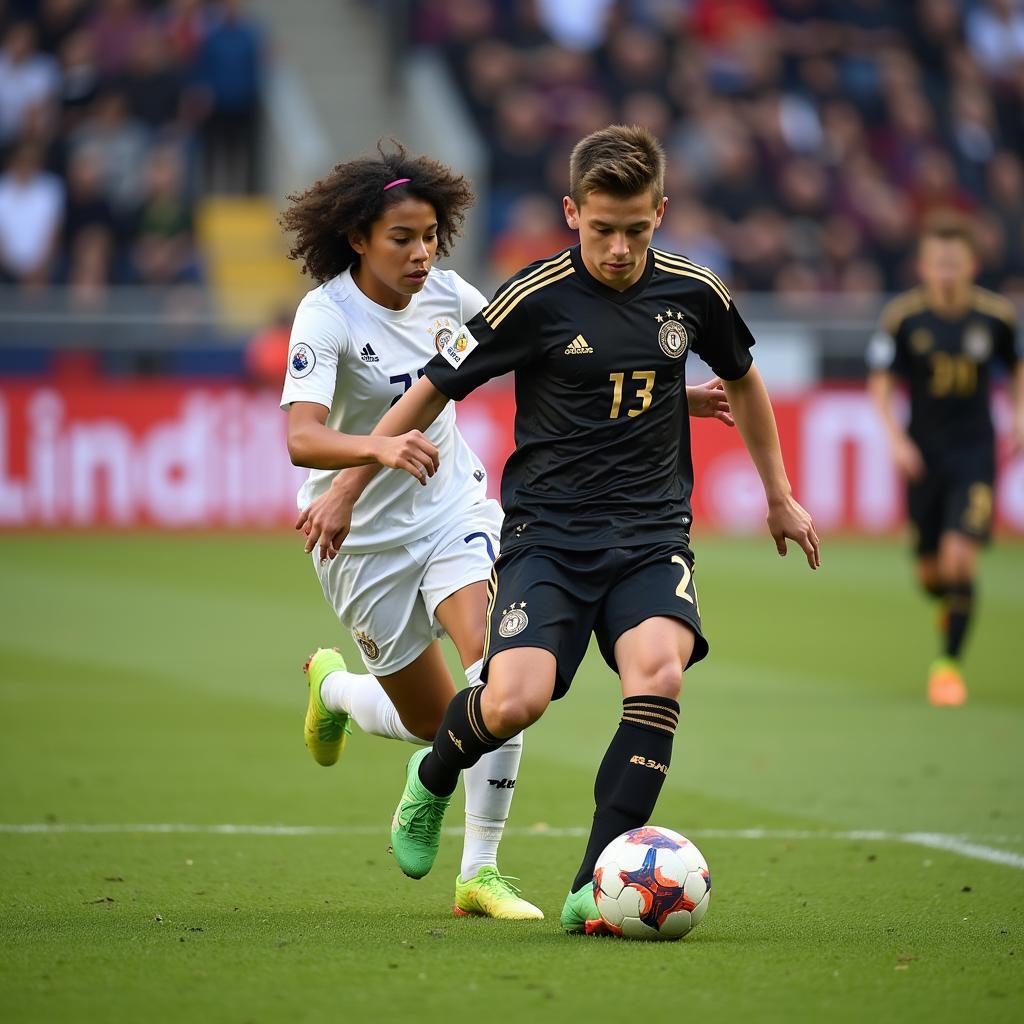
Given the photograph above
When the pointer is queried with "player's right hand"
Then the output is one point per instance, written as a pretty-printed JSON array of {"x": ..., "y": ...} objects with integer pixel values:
[
  {"x": 326, "y": 522},
  {"x": 411, "y": 452},
  {"x": 908, "y": 458}
]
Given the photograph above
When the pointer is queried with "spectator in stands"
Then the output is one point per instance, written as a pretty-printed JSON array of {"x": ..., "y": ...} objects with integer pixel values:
[
  {"x": 183, "y": 27},
  {"x": 687, "y": 227},
  {"x": 123, "y": 142},
  {"x": 80, "y": 79},
  {"x": 115, "y": 28},
  {"x": 90, "y": 260},
  {"x": 31, "y": 206},
  {"x": 1006, "y": 193},
  {"x": 535, "y": 229},
  {"x": 87, "y": 208},
  {"x": 58, "y": 19},
  {"x": 27, "y": 78},
  {"x": 229, "y": 68},
  {"x": 995, "y": 32},
  {"x": 152, "y": 80},
  {"x": 164, "y": 249}
]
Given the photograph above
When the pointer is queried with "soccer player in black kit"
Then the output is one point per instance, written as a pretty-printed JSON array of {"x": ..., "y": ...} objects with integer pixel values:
[
  {"x": 596, "y": 493},
  {"x": 941, "y": 339}
]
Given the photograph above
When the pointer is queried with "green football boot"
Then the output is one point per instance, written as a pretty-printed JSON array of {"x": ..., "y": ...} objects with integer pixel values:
[
  {"x": 490, "y": 894},
  {"x": 580, "y": 915},
  {"x": 325, "y": 731},
  {"x": 416, "y": 825}
]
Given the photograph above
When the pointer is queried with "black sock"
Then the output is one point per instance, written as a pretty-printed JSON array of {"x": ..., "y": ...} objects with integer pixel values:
[
  {"x": 461, "y": 740},
  {"x": 959, "y": 605},
  {"x": 631, "y": 774}
]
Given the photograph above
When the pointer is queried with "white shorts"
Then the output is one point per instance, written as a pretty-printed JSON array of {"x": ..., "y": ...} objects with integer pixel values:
[{"x": 388, "y": 598}]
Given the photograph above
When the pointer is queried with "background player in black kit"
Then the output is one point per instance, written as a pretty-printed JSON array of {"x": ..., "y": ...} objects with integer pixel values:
[
  {"x": 941, "y": 339},
  {"x": 596, "y": 494}
]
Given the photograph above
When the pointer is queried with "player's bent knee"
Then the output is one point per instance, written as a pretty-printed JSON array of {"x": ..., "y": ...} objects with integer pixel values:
[
  {"x": 665, "y": 679},
  {"x": 512, "y": 713}
]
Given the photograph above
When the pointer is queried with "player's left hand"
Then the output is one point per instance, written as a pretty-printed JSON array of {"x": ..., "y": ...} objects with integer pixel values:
[
  {"x": 788, "y": 518},
  {"x": 326, "y": 522},
  {"x": 709, "y": 400}
]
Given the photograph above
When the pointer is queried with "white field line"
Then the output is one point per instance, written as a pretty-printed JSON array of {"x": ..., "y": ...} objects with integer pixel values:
[{"x": 962, "y": 845}]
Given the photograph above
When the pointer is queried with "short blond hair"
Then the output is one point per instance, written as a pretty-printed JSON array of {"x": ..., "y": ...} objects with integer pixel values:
[{"x": 623, "y": 160}]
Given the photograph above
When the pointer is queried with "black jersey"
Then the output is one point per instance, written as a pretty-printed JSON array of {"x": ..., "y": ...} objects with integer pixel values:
[
  {"x": 947, "y": 364},
  {"x": 602, "y": 432}
]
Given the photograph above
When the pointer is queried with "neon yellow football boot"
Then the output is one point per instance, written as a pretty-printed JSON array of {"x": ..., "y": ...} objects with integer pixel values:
[
  {"x": 325, "y": 731},
  {"x": 490, "y": 894}
]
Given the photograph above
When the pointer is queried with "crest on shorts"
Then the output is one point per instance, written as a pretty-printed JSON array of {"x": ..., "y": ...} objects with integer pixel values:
[
  {"x": 301, "y": 361},
  {"x": 672, "y": 338},
  {"x": 978, "y": 342},
  {"x": 513, "y": 619},
  {"x": 368, "y": 647}
]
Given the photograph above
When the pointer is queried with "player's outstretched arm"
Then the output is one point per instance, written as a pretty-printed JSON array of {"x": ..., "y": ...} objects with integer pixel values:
[
  {"x": 752, "y": 411},
  {"x": 327, "y": 520},
  {"x": 906, "y": 454},
  {"x": 709, "y": 401},
  {"x": 314, "y": 445}
]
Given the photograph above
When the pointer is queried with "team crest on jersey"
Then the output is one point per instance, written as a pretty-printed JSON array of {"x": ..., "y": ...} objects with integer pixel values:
[
  {"x": 978, "y": 342},
  {"x": 301, "y": 361},
  {"x": 368, "y": 646},
  {"x": 672, "y": 338},
  {"x": 513, "y": 619},
  {"x": 442, "y": 338},
  {"x": 441, "y": 331},
  {"x": 921, "y": 341}
]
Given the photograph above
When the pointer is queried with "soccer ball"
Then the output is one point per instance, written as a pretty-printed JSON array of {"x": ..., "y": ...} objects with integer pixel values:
[{"x": 652, "y": 883}]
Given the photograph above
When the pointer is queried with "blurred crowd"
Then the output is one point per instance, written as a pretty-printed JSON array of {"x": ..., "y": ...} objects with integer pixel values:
[
  {"x": 114, "y": 116},
  {"x": 807, "y": 139}
]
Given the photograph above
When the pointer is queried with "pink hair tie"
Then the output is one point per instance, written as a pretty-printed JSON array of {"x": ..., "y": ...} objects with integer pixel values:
[{"x": 397, "y": 181}]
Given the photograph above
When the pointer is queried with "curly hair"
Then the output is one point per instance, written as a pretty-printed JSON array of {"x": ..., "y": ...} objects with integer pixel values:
[{"x": 352, "y": 197}]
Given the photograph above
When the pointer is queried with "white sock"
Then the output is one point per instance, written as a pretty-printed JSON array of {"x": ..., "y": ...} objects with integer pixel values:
[
  {"x": 490, "y": 784},
  {"x": 362, "y": 697}
]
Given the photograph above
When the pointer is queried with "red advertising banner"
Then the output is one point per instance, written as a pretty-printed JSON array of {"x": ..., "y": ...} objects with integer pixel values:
[{"x": 175, "y": 455}]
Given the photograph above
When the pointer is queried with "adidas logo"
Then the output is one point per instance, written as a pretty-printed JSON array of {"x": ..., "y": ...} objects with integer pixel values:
[
  {"x": 368, "y": 355},
  {"x": 578, "y": 347}
]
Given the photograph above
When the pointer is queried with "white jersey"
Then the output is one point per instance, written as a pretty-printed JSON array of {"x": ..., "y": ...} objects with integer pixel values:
[{"x": 357, "y": 358}]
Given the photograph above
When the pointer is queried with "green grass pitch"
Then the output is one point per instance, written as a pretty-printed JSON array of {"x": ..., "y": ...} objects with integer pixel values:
[{"x": 155, "y": 680}]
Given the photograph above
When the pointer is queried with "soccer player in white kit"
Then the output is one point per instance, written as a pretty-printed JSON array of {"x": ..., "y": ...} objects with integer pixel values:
[{"x": 417, "y": 558}]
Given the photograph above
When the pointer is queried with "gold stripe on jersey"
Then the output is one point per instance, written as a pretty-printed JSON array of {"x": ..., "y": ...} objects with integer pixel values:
[
  {"x": 994, "y": 305},
  {"x": 682, "y": 272},
  {"x": 898, "y": 309},
  {"x": 496, "y": 322},
  {"x": 713, "y": 279},
  {"x": 548, "y": 267}
]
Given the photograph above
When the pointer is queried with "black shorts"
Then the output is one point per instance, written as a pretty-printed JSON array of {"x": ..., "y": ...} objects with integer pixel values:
[
  {"x": 554, "y": 598},
  {"x": 955, "y": 495}
]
